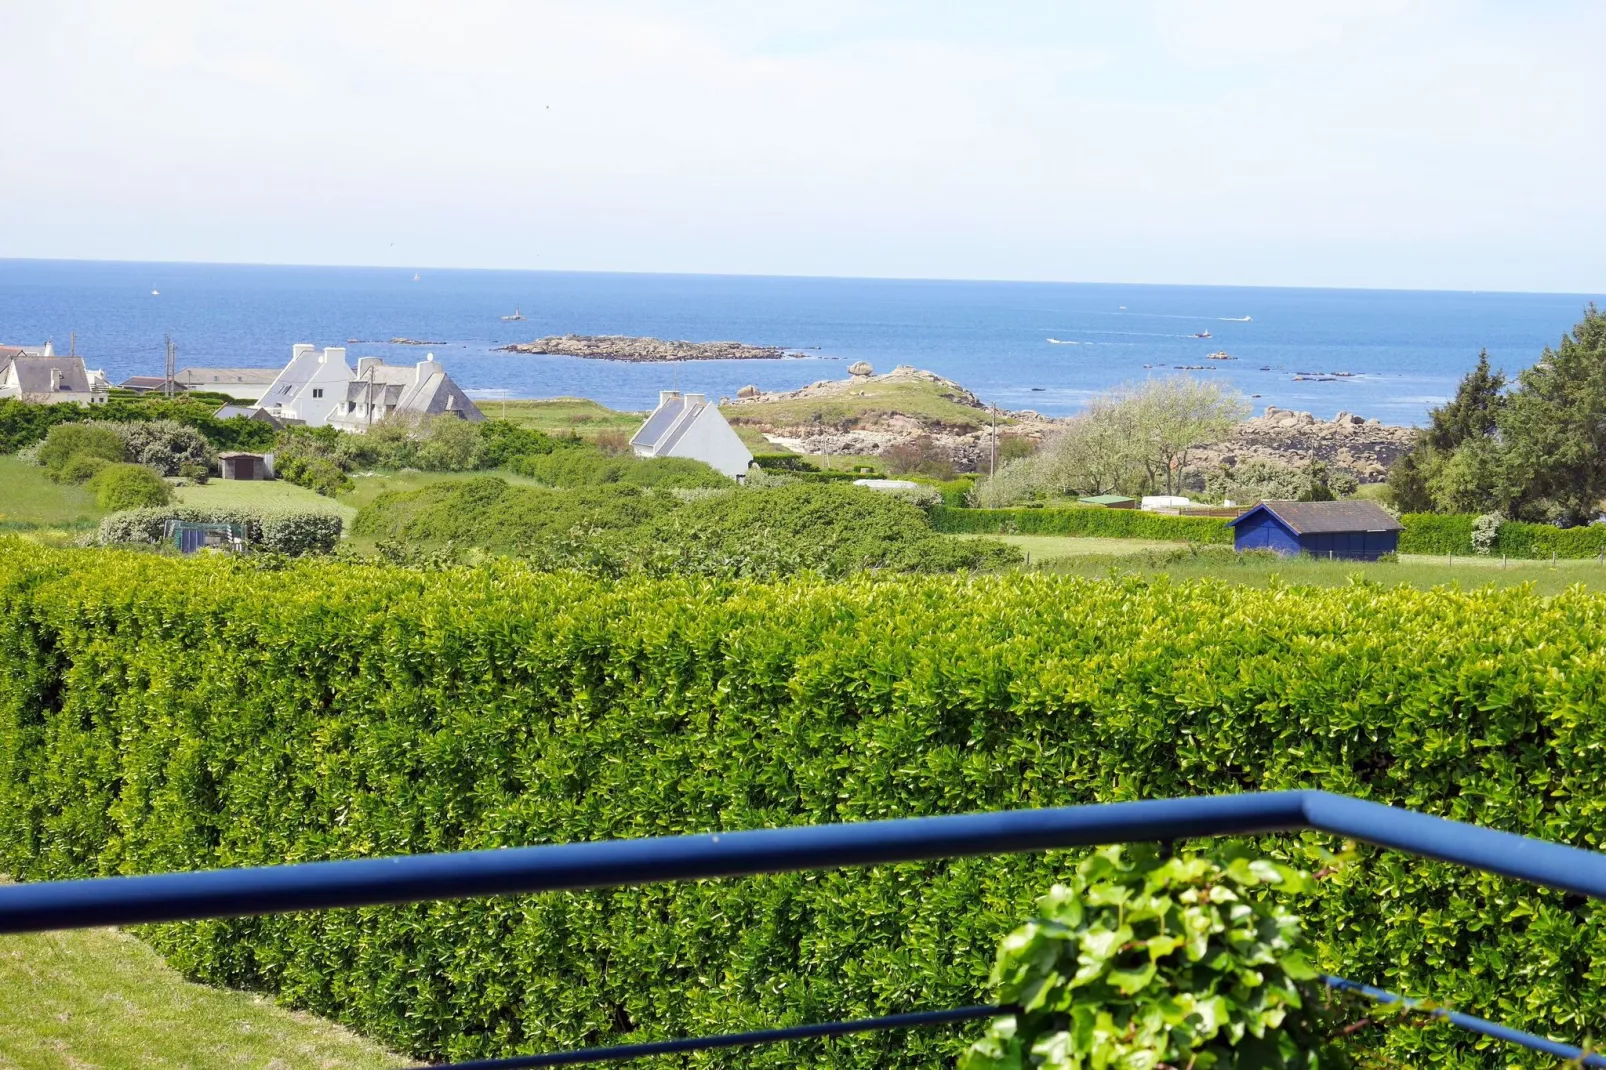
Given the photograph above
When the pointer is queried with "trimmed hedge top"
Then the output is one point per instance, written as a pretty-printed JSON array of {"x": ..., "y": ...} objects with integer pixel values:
[{"x": 159, "y": 715}]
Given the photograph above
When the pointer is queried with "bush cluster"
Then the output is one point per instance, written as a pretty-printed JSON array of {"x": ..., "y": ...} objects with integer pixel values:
[
  {"x": 1087, "y": 520},
  {"x": 128, "y": 486},
  {"x": 292, "y": 532},
  {"x": 614, "y": 529},
  {"x": 22, "y": 425},
  {"x": 589, "y": 468},
  {"x": 160, "y": 715},
  {"x": 1452, "y": 533}
]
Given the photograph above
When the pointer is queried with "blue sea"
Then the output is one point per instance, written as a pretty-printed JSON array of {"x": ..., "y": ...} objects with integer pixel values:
[{"x": 1043, "y": 346}]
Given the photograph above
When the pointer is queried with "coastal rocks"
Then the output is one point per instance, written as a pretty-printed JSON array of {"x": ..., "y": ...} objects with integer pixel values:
[
  {"x": 1350, "y": 442},
  {"x": 861, "y": 369},
  {"x": 748, "y": 391},
  {"x": 642, "y": 350}
]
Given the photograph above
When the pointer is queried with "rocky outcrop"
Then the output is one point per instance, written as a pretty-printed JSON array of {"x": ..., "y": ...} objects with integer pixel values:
[
  {"x": 1365, "y": 447},
  {"x": 861, "y": 368},
  {"x": 642, "y": 350}
]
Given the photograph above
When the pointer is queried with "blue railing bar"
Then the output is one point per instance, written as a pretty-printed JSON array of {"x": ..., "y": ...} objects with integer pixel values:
[
  {"x": 1476, "y": 1025},
  {"x": 611, "y": 863},
  {"x": 730, "y": 1040}
]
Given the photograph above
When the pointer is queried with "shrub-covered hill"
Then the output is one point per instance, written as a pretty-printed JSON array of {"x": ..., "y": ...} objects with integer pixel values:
[
  {"x": 614, "y": 528},
  {"x": 161, "y": 715}
]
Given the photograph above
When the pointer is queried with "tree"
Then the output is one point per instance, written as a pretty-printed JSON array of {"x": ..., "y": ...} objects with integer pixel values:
[
  {"x": 1171, "y": 416},
  {"x": 1473, "y": 413},
  {"x": 1408, "y": 485},
  {"x": 1553, "y": 428}
]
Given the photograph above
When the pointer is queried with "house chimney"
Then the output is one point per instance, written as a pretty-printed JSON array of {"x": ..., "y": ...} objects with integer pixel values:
[
  {"x": 696, "y": 399},
  {"x": 300, "y": 349},
  {"x": 364, "y": 363},
  {"x": 666, "y": 396},
  {"x": 55, "y": 376},
  {"x": 50, "y": 349},
  {"x": 335, "y": 355},
  {"x": 425, "y": 368}
]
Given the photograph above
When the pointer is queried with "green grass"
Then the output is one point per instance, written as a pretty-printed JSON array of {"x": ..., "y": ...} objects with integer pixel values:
[
  {"x": 98, "y": 999},
  {"x": 30, "y": 501},
  {"x": 558, "y": 416},
  {"x": 1420, "y": 572},
  {"x": 1041, "y": 548},
  {"x": 371, "y": 485},
  {"x": 858, "y": 403},
  {"x": 260, "y": 494}
]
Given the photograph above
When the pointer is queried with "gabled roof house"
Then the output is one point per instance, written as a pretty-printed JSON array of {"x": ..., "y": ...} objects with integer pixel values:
[
  {"x": 687, "y": 425},
  {"x": 47, "y": 379},
  {"x": 310, "y": 387},
  {"x": 381, "y": 391}
]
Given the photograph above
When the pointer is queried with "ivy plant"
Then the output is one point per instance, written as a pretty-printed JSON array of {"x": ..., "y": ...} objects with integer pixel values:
[{"x": 1144, "y": 962}]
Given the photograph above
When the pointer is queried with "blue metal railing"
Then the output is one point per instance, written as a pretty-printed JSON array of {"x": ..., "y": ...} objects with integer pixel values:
[{"x": 365, "y": 882}]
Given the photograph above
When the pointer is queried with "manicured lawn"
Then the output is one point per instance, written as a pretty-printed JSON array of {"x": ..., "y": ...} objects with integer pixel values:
[
  {"x": 98, "y": 999},
  {"x": 260, "y": 494},
  {"x": 28, "y": 500},
  {"x": 1054, "y": 547}
]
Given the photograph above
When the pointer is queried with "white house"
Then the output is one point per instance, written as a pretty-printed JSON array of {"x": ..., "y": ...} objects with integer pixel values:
[
  {"x": 310, "y": 388},
  {"x": 686, "y": 425},
  {"x": 379, "y": 391},
  {"x": 37, "y": 375},
  {"x": 319, "y": 389}
]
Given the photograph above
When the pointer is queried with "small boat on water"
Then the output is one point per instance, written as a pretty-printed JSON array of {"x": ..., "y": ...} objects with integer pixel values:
[
  {"x": 517, "y": 315},
  {"x": 415, "y": 276},
  {"x": 155, "y": 292},
  {"x": 1201, "y": 334}
]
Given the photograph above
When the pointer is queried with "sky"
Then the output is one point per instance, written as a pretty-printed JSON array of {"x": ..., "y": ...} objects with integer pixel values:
[{"x": 1432, "y": 145}]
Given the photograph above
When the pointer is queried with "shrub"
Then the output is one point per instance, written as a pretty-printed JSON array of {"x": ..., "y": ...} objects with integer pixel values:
[
  {"x": 918, "y": 456},
  {"x": 22, "y": 424},
  {"x": 66, "y": 441},
  {"x": 293, "y": 532},
  {"x": 1093, "y": 521},
  {"x": 1486, "y": 532},
  {"x": 195, "y": 473},
  {"x": 81, "y": 468},
  {"x": 1149, "y": 962},
  {"x": 165, "y": 445},
  {"x": 318, "y": 474},
  {"x": 160, "y": 715},
  {"x": 590, "y": 467},
  {"x": 1450, "y": 533},
  {"x": 129, "y": 486},
  {"x": 501, "y": 441}
]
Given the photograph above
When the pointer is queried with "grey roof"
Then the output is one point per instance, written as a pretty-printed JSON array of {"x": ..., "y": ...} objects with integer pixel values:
[
  {"x": 143, "y": 382},
  {"x": 34, "y": 374},
  {"x": 662, "y": 421},
  {"x": 250, "y": 412},
  {"x": 399, "y": 390},
  {"x": 1316, "y": 518}
]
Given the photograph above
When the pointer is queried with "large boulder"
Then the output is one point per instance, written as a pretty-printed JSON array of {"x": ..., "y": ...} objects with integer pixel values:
[{"x": 861, "y": 368}]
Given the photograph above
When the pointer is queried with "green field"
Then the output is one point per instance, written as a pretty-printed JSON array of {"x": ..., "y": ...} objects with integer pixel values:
[
  {"x": 558, "y": 416},
  {"x": 29, "y": 501},
  {"x": 858, "y": 404},
  {"x": 1040, "y": 548},
  {"x": 260, "y": 494},
  {"x": 98, "y": 999}
]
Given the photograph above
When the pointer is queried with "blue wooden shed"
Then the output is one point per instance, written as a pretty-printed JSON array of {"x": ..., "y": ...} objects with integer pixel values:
[{"x": 1357, "y": 531}]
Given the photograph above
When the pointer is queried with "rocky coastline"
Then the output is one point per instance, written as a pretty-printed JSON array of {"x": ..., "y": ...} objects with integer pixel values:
[{"x": 642, "y": 350}]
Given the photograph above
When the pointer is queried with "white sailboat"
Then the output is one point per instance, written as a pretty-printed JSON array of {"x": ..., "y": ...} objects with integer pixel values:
[
  {"x": 155, "y": 292},
  {"x": 517, "y": 315},
  {"x": 415, "y": 276}
]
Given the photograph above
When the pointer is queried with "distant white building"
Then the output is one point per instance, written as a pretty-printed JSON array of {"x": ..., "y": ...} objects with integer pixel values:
[
  {"x": 320, "y": 389},
  {"x": 381, "y": 391},
  {"x": 36, "y": 375},
  {"x": 686, "y": 425}
]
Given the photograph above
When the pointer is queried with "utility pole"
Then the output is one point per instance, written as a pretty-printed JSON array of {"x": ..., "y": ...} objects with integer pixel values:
[
  {"x": 167, "y": 380},
  {"x": 992, "y": 461}
]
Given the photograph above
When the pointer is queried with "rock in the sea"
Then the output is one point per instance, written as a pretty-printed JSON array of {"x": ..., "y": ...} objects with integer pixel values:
[
  {"x": 748, "y": 391},
  {"x": 861, "y": 368},
  {"x": 623, "y": 347}
]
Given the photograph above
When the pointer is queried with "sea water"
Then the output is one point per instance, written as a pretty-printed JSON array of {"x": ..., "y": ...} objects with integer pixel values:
[{"x": 1044, "y": 346}]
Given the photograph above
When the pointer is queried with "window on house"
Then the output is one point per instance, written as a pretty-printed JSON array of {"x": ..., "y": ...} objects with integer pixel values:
[
  {"x": 288, "y": 388},
  {"x": 317, "y": 391}
]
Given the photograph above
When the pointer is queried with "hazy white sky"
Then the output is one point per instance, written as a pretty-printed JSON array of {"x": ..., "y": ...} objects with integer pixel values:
[{"x": 1411, "y": 144}]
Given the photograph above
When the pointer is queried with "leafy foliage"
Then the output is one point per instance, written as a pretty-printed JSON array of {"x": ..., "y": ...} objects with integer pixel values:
[
  {"x": 22, "y": 424},
  {"x": 291, "y": 532},
  {"x": 129, "y": 486},
  {"x": 165, "y": 445},
  {"x": 1143, "y": 961},
  {"x": 168, "y": 715},
  {"x": 589, "y": 468},
  {"x": 65, "y": 442},
  {"x": 613, "y": 529}
]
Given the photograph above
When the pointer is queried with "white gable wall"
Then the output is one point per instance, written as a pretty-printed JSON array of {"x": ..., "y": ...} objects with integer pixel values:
[
  {"x": 711, "y": 440},
  {"x": 312, "y": 386}
]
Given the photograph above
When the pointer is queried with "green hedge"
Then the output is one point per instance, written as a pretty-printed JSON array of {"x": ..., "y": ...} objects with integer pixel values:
[
  {"x": 287, "y": 531},
  {"x": 1447, "y": 533},
  {"x": 167, "y": 715},
  {"x": 1093, "y": 521}
]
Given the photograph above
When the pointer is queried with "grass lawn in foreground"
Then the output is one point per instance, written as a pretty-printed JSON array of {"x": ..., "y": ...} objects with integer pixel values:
[
  {"x": 98, "y": 999},
  {"x": 29, "y": 500},
  {"x": 1054, "y": 547}
]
